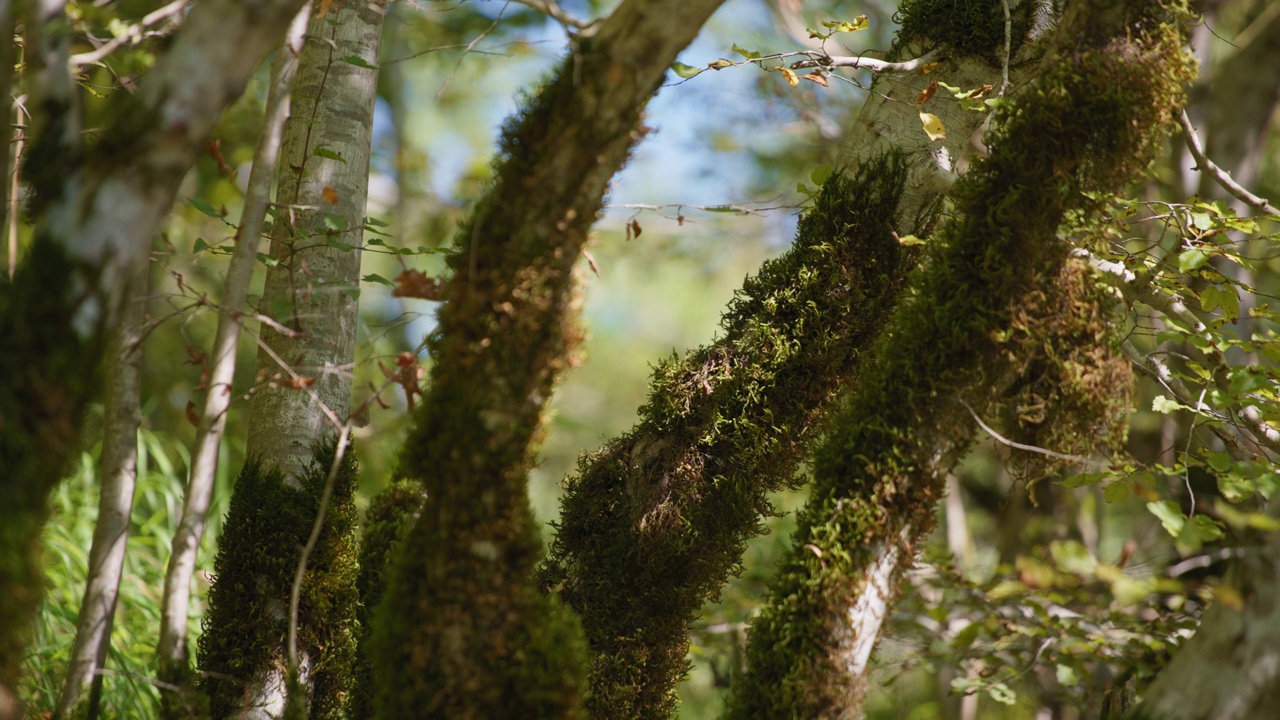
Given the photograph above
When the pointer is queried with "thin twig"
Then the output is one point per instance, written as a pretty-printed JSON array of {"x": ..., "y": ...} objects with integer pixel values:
[
  {"x": 821, "y": 59},
  {"x": 344, "y": 436},
  {"x": 471, "y": 45},
  {"x": 133, "y": 35},
  {"x": 1222, "y": 176},
  {"x": 552, "y": 9},
  {"x": 1023, "y": 446}
]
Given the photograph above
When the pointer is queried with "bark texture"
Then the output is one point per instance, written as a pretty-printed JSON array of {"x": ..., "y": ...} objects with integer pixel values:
[
  {"x": 462, "y": 631},
  {"x": 118, "y": 477},
  {"x": 311, "y": 288},
  {"x": 172, "y": 653},
  {"x": 1089, "y": 121}
]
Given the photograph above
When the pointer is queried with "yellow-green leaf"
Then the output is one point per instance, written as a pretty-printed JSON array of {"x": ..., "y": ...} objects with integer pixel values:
[
  {"x": 933, "y": 126},
  {"x": 684, "y": 71}
]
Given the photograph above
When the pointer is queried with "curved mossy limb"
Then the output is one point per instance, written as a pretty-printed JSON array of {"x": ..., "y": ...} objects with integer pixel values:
[
  {"x": 389, "y": 517},
  {"x": 654, "y": 523},
  {"x": 462, "y": 630},
  {"x": 49, "y": 374},
  {"x": 247, "y": 626},
  {"x": 971, "y": 28},
  {"x": 1091, "y": 121}
]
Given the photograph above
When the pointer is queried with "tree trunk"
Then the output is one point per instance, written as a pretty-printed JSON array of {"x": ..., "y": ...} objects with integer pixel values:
[
  {"x": 462, "y": 631},
  {"x": 311, "y": 290},
  {"x": 172, "y": 654},
  {"x": 123, "y": 415},
  {"x": 1106, "y": 90}
]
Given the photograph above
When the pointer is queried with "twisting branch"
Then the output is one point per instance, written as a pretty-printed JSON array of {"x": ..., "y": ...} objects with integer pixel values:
[
  {"x": 552, "y": 9},
  {"x": 1222, "y": 176},
  {"x": 821, "y": 59}
]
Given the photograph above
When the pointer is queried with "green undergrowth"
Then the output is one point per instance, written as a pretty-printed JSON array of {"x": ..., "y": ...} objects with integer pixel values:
[
  {"x": 654, "y": 523},
  {"x": 1092, "y": 120},
  {"x": 246, "y": 628}
]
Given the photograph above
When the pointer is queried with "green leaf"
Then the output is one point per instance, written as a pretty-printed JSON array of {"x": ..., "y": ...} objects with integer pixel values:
[
  {"x": 1072, "y": 557},
  {"x": 1066, "y": 675},
  {"x": 821, "y": 174},
  {"x": 1170, "y": 516},
  {"x": 1117, "y": 492},
  {"x": 375, "y": 278},
  {"x": 267, "y": 260},
  {"x": 720, "y": 64},
  {"x": 325, "y": 152},
  {"x": 1192, "y": 259},
  {"x": 1162, "y": 404},
  {"x": 205, "y": 208},
  {"x": 910, "y": 241},
  {"x": 352, "y": 292},
  {"x": 1003, "y": 694},
  {"x": 375, "y": 222},
  {"x": 685, "y": 71},
  {"x": 200, "y": 246},
  {"x": 358, "y": 62},
  {"x": 1219, "y": 461},
  {"x": 844, "y": 26},
  {"x": 748, "y": 54},
  {"x": 336, "y": 223},
  {"x": 1214, "y": 297}
]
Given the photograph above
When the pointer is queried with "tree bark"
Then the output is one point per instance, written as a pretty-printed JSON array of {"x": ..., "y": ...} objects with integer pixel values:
[
  {"x": 311, "y": 290},
  {"x": 1105, "y": 92},
  {"x": 172, "y": 653},
  {"x": 123, "y": 415},
  {"x": 462, "y": 632}
]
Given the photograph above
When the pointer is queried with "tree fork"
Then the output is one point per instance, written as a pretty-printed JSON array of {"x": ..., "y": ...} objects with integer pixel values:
[{"x": 1105, "y": 96}]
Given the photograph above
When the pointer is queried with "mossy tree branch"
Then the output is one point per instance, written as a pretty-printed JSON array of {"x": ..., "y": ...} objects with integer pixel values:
[
  {"x": 462, "y": 632},
  {"x": 654, "y": 523},
  {"x": 1104, "y": 97}
]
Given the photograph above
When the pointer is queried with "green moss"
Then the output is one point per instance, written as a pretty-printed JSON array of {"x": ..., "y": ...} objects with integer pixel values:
[
  {"x": 246, "y": 628},
  {"x": 654, "y": 523},
  {"x": 50, "y": 374},
  {"x": 389, "y": 518},
  {"x": 969, "y": 28},
  {"x": 1091, "y": 121}
]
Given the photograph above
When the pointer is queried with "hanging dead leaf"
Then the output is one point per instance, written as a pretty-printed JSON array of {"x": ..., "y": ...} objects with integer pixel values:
[
  {"x": 816, "y": 77},
  {"x": 928, "y": 68},
  {"x": 193, "y": 417},
  {"x": 330, "y": 195},
  {"x": 927, "y": 93},
  {"x": 591, "y": 261},
  {"x": 416, "y": 284},
  {"x": 635, "y": 228},
  {"x": 792, "y": 80}
]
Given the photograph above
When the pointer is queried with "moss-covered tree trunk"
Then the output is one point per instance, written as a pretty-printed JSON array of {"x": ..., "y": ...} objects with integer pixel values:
[
  {"x": 95, "y": 211},
  {"x": 310, "y": 291},
  {"x": 1099, "y": 105},
  {"x": 654, "y": 523},
  {"x": 462, "y": 631}
]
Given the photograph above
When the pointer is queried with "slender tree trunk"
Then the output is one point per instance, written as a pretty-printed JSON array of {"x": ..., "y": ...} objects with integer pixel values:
[
  {"x": 462, "y": 631},
  {"x": 1105, "y": 92},
  {"x": 119, "y": 473},
  {"x": 95, "y": 215},
  {"x": 310, "y": 292},
  {"x": 172, "y": 653}
]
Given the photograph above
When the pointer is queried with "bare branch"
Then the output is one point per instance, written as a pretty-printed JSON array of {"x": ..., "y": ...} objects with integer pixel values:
[{"x": 1222, "y": 176}]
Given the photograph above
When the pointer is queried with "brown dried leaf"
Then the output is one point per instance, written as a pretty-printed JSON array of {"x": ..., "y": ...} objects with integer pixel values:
[
  {"x": 329, "y": 195},
  {"x": 927, "y": 93},
  {"x": 817, "y": 77},
  {"x": 416, "y": 284}
]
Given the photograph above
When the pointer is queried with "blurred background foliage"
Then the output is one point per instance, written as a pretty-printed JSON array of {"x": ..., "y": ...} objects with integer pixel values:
[{"x": 1037, "y": 597}]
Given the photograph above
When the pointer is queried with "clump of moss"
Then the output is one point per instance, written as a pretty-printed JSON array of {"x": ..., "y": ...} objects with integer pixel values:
[
  {"x": 970, "y": 28},
  {"x": 1091, "y": 121},
  {"x": 653, "y": 524},
  {"x": 1071, "y": 394},
  {"x": 246, "y": 629},
  {"x": 389, "y": 518}
]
